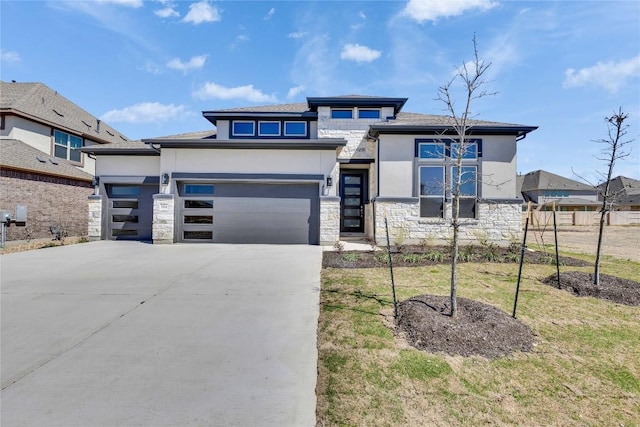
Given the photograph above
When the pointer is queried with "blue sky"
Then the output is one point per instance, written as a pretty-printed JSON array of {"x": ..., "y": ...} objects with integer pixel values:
[{"x": 149, "y": 68}]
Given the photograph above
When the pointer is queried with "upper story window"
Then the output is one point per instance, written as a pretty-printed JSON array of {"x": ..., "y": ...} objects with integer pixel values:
[
  {"x": 342, "y": 113},
  {"x": 67, "y": 146},
  {"x": 244, "y": 128},
  {"x": 269, "y": 128},
  {"x": 295, "y": 128},
  {"x": 368, "y": 114}
]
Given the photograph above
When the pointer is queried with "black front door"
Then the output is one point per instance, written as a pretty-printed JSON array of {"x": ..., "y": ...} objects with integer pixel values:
[{"x": 352, "y": 199}]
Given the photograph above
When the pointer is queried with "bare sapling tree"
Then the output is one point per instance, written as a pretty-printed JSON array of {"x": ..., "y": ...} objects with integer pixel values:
[
  {"x": 612, "y": 152},
  {"x": 471, "y": 76}
]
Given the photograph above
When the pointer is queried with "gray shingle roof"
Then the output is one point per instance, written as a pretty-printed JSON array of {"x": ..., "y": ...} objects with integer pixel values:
[
  {"x": 299, "y": 107},
  {"x": 15, "y": 154},
  {"x": 543, "y": 180},
  {"x": 123, "y": 147},
  {"x": 38, "y": 102}
]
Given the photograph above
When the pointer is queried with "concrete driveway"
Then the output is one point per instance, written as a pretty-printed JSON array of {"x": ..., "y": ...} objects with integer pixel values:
[{"x": 127, "y": 333}]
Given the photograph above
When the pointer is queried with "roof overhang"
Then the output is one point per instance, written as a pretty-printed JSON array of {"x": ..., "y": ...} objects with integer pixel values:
[
  {"x": 518, "y": 131},
  {"x": 105, "y": 150},
  {"x": 355, "y": 101},
  {"x": 214, "y": 116},
  {"x": 253, "y": 144}
]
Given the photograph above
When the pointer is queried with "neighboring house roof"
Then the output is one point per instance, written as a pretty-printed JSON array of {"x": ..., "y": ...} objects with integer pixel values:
[
  {"x": 626, "y": 190},
  {"x": 18, "y": 155},
  {"x": 543, "y": 180},
  {"x": 117, "y": 148},
  {"x": 37, "y": 102}
]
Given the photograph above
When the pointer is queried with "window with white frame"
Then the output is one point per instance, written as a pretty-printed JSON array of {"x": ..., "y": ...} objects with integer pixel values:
[
  {"x": 367, "y": 113},
  {"x": 243, "y": 128},
  {"x": 437, "y": 172},
  {"x": 342, "y": 113},
  {"x": 268, "y": 128},
  {"x": 295, "y": 128},
  {"x": 67, "y": 146}
]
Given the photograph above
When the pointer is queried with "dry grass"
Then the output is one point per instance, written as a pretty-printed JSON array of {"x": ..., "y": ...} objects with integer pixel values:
[
  {"x": 13, "y": 247},
  {"x": 583, "y": 371}
]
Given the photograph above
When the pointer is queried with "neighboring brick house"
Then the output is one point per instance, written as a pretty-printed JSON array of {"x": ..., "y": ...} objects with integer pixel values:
[
  {"x": 41, "y": 165},
  {"x": 545, "y": 189},
  {"x": 309, "y": 173}
]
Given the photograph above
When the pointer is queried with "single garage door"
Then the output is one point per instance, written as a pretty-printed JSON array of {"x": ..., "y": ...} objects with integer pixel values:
[
  {"x": 249, "y": 213},
  {"x": 130, "y": 211}
]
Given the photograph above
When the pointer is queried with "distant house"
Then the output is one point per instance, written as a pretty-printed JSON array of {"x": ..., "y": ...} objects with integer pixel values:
[
  {"x": 309, "y": 173},
  {"x": 545, "y": 189},
  {"x": 42, "y": 166},
  {"x": 626, "y": 191}
]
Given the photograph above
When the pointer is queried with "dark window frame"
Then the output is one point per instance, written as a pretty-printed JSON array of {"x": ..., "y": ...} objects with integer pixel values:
[{"x": 448, "y": 163}]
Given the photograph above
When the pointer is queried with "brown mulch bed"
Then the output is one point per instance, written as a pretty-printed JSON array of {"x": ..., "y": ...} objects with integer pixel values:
[
  {"x": 616, "y": 289},
  {"x": 479, "y": 329},
  {"x": 417, "y": 256}
]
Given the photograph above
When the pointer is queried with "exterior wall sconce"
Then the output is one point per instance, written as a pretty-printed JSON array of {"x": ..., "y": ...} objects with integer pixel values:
[
  {"x": 165, "y": 179},
  {"x": 329, "y": 181}
]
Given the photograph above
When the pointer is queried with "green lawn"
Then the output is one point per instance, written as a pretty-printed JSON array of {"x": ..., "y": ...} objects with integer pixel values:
[{"x": 584, "y": 370}]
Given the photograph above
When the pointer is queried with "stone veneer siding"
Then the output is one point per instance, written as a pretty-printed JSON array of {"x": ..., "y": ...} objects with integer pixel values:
[
  {"x": 50, "y": 201},
  {"x": 329, "y": 220},
  {"x": 95, "y": 218},
  {"x": 498, "y": 223},
  {"x": 163, "y": 218}
]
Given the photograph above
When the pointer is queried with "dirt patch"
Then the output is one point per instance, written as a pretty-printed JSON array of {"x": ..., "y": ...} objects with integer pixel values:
[
  {"x": 616, "y": 289},
  {"x": 618, "y": 241},
  {"x": 417, "y": 256},
  {"x": 478, "y": 330}
]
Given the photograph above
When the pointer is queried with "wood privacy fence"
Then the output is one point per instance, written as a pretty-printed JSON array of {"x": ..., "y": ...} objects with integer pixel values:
[{"x": 542, "y": 218}]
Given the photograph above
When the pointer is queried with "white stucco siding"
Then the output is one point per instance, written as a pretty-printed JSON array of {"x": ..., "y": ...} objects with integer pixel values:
[
  {"x": 222, "y": 129},
  {"x": 498, "y": 167},
  {"x": 397, "y": 159},
  {"x": 128, "y": 166},
  {"x": 251, "y": 161},
  {"x": 35, "y": 134}
]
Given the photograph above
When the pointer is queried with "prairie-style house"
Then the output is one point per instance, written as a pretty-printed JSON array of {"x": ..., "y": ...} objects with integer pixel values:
[{"x": 308, "y": 173}]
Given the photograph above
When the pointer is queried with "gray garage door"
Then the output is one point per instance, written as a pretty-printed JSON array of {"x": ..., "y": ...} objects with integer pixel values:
[
  {"x": 249, "y": 213},
  {"x": 130, "y": 211}
]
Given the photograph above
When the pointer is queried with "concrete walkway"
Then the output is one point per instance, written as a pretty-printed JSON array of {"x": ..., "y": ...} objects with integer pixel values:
[{"x": 127, "y": 333}]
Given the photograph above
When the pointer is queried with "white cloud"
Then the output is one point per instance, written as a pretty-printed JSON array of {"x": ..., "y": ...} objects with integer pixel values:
[
  {"x": 128, "y": 3},
  {"x": 270, "y": 14},
  {"x": 359, "y": 53},
  {"x": 297, "y": 35},
  {"x": 194, "y": 63},
  {"x": 295, "y": 91},
  {"x": 431, "y": 10},
  {"x": 145, "y": 112},
  {"x": 151, "y": 68},
  {"x": 9, "y": 56},
  {"x": 239, "y": 39},
  {"x": 212, "y": 90},
  {"x": 202, "y": 12},
  {"x": 609, "y": 75},
  {"x": 167, "y": 12}
]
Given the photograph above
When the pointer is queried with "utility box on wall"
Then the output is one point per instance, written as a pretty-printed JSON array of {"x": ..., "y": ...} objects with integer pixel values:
[{"x": 21, "y": 215}]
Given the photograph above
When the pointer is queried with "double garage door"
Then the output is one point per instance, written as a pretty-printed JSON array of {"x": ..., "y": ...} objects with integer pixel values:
[{"x": 248, "y": 213}]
